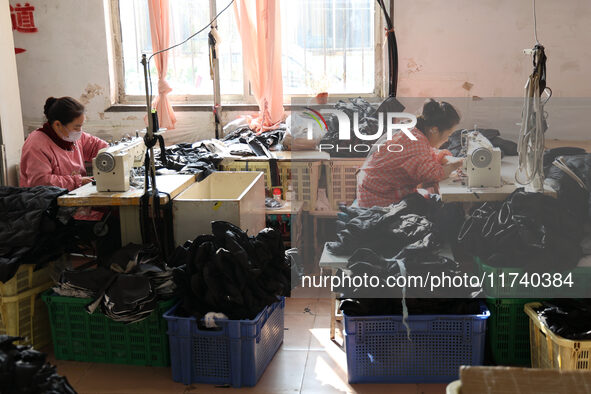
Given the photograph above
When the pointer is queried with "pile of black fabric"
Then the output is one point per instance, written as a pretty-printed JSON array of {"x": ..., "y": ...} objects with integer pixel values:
[
  {"x": 30, "y": 231},
  {"x": 416, "y": 259},
  {"x": 416, "y": 306},
  {"x": 571, "y": 319},
  {"x": 368, "y": 124},
  {"x": 572, "y": 195},
  {"x": 24, "y": 370},
  {"x": 185, "y": 158},
  {"x": 454, "y": 142},
  {"x": 245, "y": 142},
  {"x": 387, "y": 230},
  {"x": 230, "y": 272},
  {"x": 400, "y": 239},
  {"x": 127, "y": 285},
  {"x": 527, "y": 230}
]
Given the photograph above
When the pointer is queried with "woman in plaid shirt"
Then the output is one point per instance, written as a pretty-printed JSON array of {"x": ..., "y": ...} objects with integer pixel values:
[{"x": 388, "y": 175}]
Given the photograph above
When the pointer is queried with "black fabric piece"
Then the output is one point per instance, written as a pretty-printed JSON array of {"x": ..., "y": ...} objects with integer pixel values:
[
  {"x": 571, "y": 319},
  {"x": 368, "y": 124},
  {"x": 573, "y": 197},
  {"x": 186, "y": 158},
  {"x": 527, "y": 230},
  {"x": 127, "y": 285},
  {"x": 416, "y": 306},
  {"x": 401, "y": 239},
  {"x": 24, "y": 370},
  {"x": 385, "y": 230},
  {"x": 454, "y": 142},
  {"x": 392, "y": 52},
  {"x": 274, "y": 172},
  {"x": 30, "y": 231},
  {"x": 230, "y": 272},
  {"x": 253, "y": 144},
  {"x": 551, "y": 154}
]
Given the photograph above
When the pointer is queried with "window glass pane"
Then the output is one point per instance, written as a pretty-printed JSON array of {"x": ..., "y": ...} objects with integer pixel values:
[
  {"x": 230, "y": 51},
  {"x": 134, "y": 19},
  {"x": 328, "y": 45},
  {"x": 188, "y": 64}
]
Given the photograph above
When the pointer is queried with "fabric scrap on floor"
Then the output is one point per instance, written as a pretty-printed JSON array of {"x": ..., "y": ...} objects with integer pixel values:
[{"x": 24, "y": 370}]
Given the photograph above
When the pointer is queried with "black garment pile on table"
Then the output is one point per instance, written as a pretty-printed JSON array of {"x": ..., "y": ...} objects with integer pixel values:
[
  {"x": 24, "y": 370},
  {"x": 571, "y": 319},
  {"x": 368, "y": 124},
  {"x": 416, "y": 306},
  {"x": 245, "y": 142},
  {"x": 454, "y": 142},
  {"x": 527, "y": 230},
  {"x": 230, "y": 272},
  {"x": 400, "y": 239},
  {"x": 387, "y": 230},
  {"x": 128, "y": 285},
  {"x": 571, "y": 194},
  {"x": 30, "y": 231},
  {"x": 185, "y": 158}
]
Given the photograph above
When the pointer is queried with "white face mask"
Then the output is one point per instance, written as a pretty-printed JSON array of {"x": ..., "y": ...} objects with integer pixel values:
[{"x": 73, "y": 136}]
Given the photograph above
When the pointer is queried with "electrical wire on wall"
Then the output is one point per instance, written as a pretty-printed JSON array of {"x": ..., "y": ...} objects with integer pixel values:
[
  {"x": 392, "y": 52},
  {"x": 533, "y": 120},
  {"x": 183, "y": 42}
]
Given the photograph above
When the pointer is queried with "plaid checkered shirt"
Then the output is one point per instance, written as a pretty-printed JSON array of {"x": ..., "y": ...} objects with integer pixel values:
[{"x": 387, "y": 177}]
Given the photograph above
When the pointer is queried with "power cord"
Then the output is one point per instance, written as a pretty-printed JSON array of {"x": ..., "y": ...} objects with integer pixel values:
[{"x": 181, "y": 43}]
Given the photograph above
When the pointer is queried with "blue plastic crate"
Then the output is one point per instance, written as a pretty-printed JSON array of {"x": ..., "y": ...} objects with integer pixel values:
[
  {"x": 379, "y": 351},
  {"x": 237, "y": 354}
]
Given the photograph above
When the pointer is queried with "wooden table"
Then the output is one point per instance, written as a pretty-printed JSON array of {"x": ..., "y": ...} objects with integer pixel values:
[
  {"x": 452, "y": 189},
  {"x": 128, "y": 202}
]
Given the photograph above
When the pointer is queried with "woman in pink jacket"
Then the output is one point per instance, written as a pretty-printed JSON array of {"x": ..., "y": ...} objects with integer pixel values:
[{"x": 54, "y": 155}]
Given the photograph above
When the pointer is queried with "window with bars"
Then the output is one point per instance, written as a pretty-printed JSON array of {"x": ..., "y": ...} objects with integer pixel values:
[{"x": 327, "y": 46}]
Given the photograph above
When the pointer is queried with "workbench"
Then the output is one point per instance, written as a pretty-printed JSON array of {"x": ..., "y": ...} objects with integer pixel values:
[
  {"x": 128, "y": 202},
  {"x": 454, "y": 189}
]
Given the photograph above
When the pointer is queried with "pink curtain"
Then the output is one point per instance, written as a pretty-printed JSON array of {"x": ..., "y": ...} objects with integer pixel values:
[
  {"x": 259, "y": 24},
  {"x": 160, "y": 31}
]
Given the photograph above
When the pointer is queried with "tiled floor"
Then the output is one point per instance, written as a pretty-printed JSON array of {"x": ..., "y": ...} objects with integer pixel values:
[{"x": 307, "y": 362}]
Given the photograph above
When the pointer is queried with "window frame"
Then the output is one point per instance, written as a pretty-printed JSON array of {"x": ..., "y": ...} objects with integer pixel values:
[{"x": 247, "y": 98}]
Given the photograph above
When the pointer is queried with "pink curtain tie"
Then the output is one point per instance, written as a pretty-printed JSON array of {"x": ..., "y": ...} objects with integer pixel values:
[{"x": 163, "y": 87}]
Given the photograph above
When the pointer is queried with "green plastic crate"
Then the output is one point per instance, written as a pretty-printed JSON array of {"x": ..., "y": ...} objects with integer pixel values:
[
  {"x": 508, "y": 331},
  {"x": 581, "y": 277},
  {"x": 80, "y": 336}
]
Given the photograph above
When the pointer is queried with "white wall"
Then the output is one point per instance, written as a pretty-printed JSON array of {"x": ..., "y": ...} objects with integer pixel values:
[
  {"x": 442, "y": 45},
  {"x": 464, "y": 48},
  {"x": 10, "y": 105}
]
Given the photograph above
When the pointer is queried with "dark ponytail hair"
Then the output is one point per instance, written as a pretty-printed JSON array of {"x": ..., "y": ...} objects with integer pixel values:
[
  {"x": 437, "y": 114},
  {"x": 64, "y": 109}
]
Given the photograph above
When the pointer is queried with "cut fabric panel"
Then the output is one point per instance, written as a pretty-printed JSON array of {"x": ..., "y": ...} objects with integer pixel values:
[
  {"x": 160, "y": 32},
  {"x": 259, "y": 24}
]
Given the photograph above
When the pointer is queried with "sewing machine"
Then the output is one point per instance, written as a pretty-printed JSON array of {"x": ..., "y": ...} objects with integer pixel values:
[
  {"x": 483, "y": 161},
  {"x": 112, "y": 166}
]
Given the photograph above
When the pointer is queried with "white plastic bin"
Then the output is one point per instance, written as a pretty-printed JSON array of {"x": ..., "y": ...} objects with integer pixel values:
[{"x": 235, "y": 197}]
